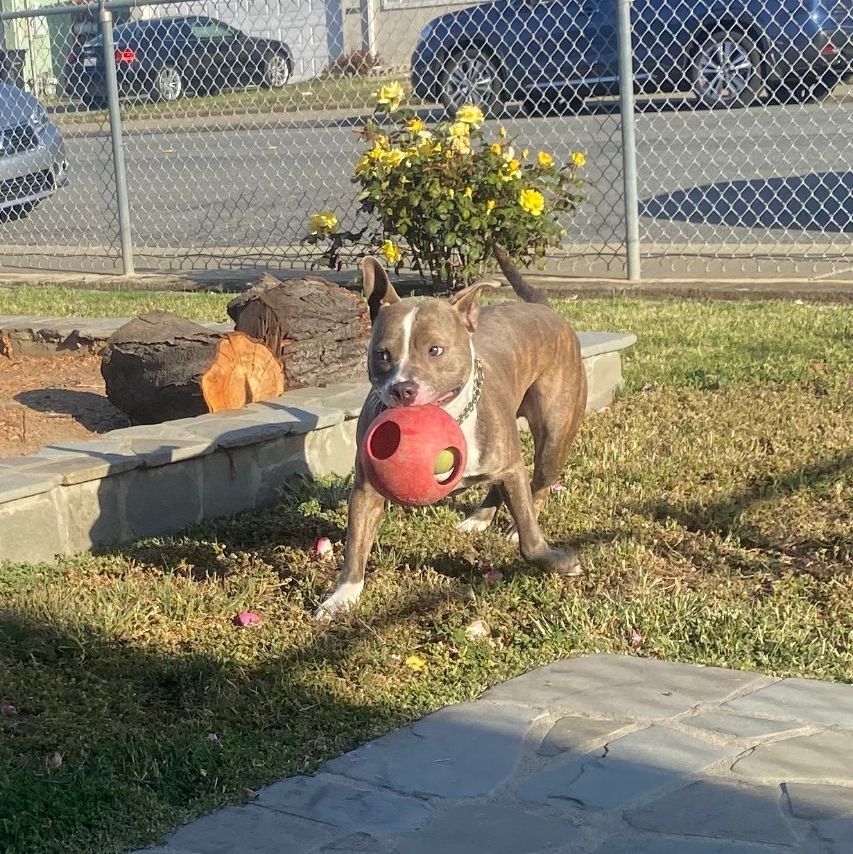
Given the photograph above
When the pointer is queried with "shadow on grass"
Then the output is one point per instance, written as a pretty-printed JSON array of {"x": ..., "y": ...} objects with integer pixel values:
[{"x": 724, "y": 517}]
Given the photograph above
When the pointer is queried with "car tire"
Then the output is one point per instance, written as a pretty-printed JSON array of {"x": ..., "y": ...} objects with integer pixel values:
[
  {"x": 168, "y": 84},
  {"x": 276, "y": 71},
  {"x": 539, "y": 104},
  {"x": 471, "y": 76},
  {"x": 725, "y": 70}
]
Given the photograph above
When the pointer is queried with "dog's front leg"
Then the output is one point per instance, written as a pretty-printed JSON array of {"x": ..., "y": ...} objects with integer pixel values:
[
  {"x": 531, "y": 540},
  {"x": 365, "y": 511}
]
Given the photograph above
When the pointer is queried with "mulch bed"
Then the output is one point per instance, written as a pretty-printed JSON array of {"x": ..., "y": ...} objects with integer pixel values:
[{"x": 49, "y": 400}]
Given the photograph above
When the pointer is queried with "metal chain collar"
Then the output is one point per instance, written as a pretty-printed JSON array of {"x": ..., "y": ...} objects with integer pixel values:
[{"x": 478, "y": 389}]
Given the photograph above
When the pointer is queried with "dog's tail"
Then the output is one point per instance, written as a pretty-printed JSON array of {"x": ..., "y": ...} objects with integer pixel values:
[{"x": 524, "y": 290}]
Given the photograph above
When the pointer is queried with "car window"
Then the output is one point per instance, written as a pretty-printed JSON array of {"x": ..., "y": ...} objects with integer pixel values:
[{"x": 211, "y": 30}]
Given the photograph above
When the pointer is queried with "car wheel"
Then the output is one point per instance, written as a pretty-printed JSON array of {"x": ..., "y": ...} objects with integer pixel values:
[
  {"x": 726, "y": 70},
  {"x": 276, "y": 71},
  {"x": 540, "y": 104},
  {"x": 471, "y": 77},
  {"x": 168, "y": 84}
]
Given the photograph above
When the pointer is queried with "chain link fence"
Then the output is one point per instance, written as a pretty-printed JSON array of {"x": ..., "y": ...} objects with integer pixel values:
[{"x": 238, "y": 119}]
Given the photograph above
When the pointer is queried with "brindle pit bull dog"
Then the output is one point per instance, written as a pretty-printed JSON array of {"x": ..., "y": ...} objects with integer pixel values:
[{"x": 485, "y": 368}]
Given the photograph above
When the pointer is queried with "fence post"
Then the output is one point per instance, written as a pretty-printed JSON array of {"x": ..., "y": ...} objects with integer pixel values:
[
  {"x": 106, "y": 19},
  {"x": 629, "y": 145}
]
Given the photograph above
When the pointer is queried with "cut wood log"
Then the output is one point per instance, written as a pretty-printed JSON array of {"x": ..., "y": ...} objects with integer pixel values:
[
  {"x": 317, "y": 329},
  {"x": 159, "y": 367}
]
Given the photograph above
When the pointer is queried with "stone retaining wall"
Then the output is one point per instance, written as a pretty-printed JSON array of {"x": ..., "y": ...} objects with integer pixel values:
[{"x": 154, "y": 480}]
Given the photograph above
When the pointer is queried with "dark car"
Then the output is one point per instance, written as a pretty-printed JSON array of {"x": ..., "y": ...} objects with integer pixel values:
[
  {"x": 167, "y": 58},
  {"x": 726, "y": 53}
]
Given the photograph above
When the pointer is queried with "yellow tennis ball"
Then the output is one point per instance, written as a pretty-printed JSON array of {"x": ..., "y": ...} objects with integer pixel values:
[{"x": 444, "y": 462}]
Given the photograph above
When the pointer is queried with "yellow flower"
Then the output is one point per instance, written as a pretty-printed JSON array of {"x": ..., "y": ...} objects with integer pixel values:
[
  {"x": 391, "y": 251},
  {"x": 532, "y": 201},
  {"x": 393, "y": 158},
  {"x": 416, "y": 663},
  {"x": 390, "y": 95},
  {"x": 415, "y": 125},
  {"x": 324, "y": 222},
  {"x": 459, "y": 130},
  {"x": 363, "y": 165},
  {"x": 545, "y": 160},
  {"x": 469, "y": 192},
  {"x": 525, "y": 153},
  {"x": 502, "y": 132},
  {"x": 470, "y": 115},
  {"x": 496, "y": 148},
  {"x": 579, "y": 159},
  {"x": 460, "y": 144},
  {"x": 510, "y": 170},
  {"x": 490, "y": 205},
  {"x": 450, "y": 192}
]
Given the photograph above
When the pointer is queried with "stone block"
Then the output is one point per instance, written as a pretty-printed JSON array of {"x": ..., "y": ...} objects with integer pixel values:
[
  {"x": 163, "y": 500},
  {"x": 819, "y": 802},
  {"x": 491, "y": 829},
  {"x": 661, "y": 845},
  {"x": 463, "y": 751},
  {"x": 342, "y": 803},
  {"x": 718, "y": 810},
  {"x": 574, "y": 734},
  {"x": 302, "y": 419},
  {"x": 357, "y": 843},
  {"x": 739, "y": 726},
  {"x": 631, "y": 769},
  {"x": 230, "y": 481},
  {"x": 278, "y": 461},
  {"x": 595, "y": 343},
  {"x": 819, "y": 758},
  {"x": 92, "y": 514},
  {"x": 250, "y": 830},
  {"x": 332, "y": 450},
  {"x": 22, "y": 483},
  {"x": 603, "y": 377},
  {"x": 807, "y": 700},
  {"x": 30, "y": 529},
  {"x": 237, "y": 430},
  {"x": 622, "y": 687}
]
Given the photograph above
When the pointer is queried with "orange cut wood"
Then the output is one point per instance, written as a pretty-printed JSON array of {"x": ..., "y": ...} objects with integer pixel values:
[{"x": 242, "y": 371}]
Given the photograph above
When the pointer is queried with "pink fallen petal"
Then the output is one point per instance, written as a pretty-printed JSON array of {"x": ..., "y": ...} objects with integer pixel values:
[
  {"x": 323, "y": 547},
  {"x": 213, "y": 738},
  {"x": 248, "y": 618},
  {"x": 8, "y": 709},
  {"x": 557, "y": 487},
  {"x": 636, "y": 639},
  {"x": 493, "y": 576}
]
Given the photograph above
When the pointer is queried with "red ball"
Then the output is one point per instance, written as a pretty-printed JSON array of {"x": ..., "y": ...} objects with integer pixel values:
[{"x": 414, "y": 455}]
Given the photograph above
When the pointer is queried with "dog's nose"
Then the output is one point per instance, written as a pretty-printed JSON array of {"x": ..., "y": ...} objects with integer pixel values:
[{"x": 405, "y": 392}]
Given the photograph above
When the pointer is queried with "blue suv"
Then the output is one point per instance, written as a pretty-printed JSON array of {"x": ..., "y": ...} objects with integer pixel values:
[{"x": 726, "y": 53}]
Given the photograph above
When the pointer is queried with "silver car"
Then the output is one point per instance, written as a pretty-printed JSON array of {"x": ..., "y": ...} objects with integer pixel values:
[{"x": 32, "y": 153}]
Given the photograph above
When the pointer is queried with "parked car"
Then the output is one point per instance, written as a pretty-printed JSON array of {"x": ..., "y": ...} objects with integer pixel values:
[
  {"x": 726, "y": 53},
  {"x": 167, "y": 58},
  {"x": 32, "y": 153}
]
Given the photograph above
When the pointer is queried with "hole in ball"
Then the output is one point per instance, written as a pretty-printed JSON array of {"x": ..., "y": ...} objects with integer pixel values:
[
  {"x": 445, "y": 465},
  {"x": 384, "y": 441}
]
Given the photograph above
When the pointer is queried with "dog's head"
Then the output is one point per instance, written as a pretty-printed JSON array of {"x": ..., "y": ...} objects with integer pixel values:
[{"x": 420, "y": 350}]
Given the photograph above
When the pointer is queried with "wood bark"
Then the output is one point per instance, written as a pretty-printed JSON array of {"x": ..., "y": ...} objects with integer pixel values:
[
  {"x": 159, "y": 367},
  {"x": 317, "y": 330}
]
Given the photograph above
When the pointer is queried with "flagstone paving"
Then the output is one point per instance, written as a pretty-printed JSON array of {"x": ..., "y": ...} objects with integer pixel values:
[{"x": 599, "y": 754}]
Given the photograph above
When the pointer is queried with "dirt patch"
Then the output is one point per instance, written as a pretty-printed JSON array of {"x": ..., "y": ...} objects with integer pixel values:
[{"x": 48, "y": 400}]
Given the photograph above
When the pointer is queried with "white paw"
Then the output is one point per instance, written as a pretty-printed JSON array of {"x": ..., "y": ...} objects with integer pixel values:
[
  {"x": 344, "y": 599},
  {"x": 473, "y": 525}
]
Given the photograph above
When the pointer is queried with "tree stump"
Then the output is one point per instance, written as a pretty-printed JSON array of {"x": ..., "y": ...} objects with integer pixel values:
[
  {"x": 159, "y": 367},
  {"x": 317, "y": 330}
]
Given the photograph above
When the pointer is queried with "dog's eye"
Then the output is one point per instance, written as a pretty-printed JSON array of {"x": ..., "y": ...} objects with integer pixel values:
[
  {"x": 383, "y": 355},
  {"x": 435, "y": 350}
]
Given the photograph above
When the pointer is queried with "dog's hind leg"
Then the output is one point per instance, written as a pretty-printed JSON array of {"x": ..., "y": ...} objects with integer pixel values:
[{"x": 483, "y": 516}]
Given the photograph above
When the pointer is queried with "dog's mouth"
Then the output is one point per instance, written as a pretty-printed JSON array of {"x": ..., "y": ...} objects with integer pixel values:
[{"x": 446, "y": 398}]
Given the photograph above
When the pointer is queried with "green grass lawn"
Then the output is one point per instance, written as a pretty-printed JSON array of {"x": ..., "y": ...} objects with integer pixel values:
[
  {"x": 329, "y": 93},
  {"x": 713, "y": 505}
]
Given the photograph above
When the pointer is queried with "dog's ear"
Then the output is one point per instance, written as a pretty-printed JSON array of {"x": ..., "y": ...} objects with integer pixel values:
[
  {"x": 465, "y": 302},
  {"x": 376, "y": 286}
]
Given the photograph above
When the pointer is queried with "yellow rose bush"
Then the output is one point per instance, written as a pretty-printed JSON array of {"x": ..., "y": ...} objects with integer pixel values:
[{"x": 443, "y": 199}]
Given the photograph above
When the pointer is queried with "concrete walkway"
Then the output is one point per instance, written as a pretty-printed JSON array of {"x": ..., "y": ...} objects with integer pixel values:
[{"x": 600, "y": 754}]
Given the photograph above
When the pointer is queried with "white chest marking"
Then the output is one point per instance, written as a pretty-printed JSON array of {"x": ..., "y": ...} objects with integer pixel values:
[{"x": 469, "y": 425}]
